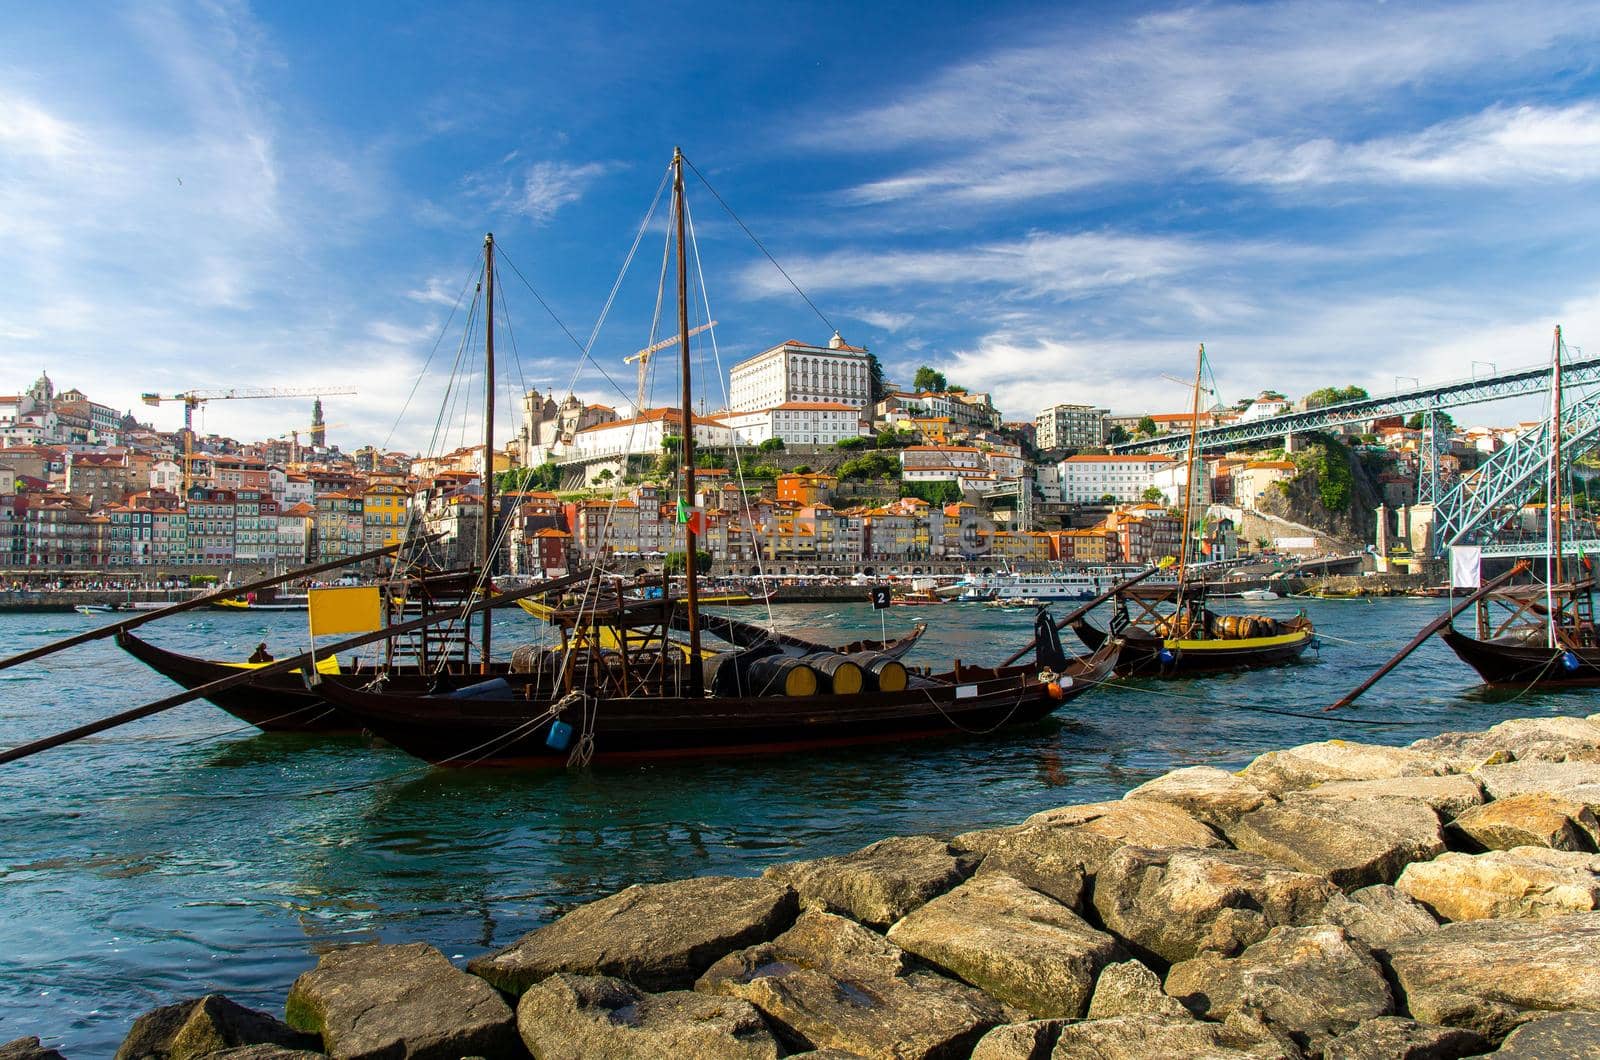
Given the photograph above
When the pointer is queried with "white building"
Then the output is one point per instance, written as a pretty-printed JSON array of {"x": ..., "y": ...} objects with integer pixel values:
[
  {"x": 643, "y": 434},
  {"x": 1089, "y": 479},
  {"x": 1070, "y": 427},
  {"x": 794, "y": 371},
  {"x": 1170, "y": 479},
  {"x": 796, "y": 423}
]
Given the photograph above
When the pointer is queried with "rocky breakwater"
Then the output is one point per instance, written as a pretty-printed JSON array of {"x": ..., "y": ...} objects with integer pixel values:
[{"x": 1337, "y": 900}]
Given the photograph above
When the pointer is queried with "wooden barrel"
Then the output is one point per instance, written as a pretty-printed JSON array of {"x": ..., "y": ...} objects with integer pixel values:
[
  {"x": 882, "y": 674},
  {"x": 839, "y": 674},
  {"x": 779, "y": 675}
]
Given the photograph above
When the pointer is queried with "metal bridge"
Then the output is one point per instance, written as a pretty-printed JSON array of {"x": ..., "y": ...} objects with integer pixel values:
[{"x": 1422, "y": 399}]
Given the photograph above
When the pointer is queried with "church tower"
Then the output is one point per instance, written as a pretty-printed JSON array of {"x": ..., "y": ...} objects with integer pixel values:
[{"x": 319, "y": 430}]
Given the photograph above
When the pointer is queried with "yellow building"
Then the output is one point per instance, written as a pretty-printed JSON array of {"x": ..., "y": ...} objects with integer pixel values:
[{"x": 383, "y": 513}]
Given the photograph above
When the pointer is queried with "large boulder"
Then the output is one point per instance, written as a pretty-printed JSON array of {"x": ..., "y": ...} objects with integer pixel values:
[
  {"x": 204, "y": 1025},
  {"x": 1569, "y": 1034},
  {"x": 1522, "y": 882},
  {"x": 572, "y": 1017},
  {"x": 1449, "y": 795},
  {"x": 1128, "y": 988},
  {"x": 1309, "y": 764},
  {"x": 1011, "y": 942},
  {"x": 30, "y": 1048},
  {"x": 1398, "y": 1038},
  {"x": 1033, "y": 1040},
  {"x": 1379, "y": 916},
  {"x": 1491, "y": 975},
  {"x": 658, "y": 937},
  {"x": 1053, "y": 861},
  {"x": 1354, "y": 843},
  {"x": 1176, "y": 904},
  {"x": 264, "y": 1052},
  {"x": 1502, "y": 780},
  {"x": 1519, "y": 739},
  {"x": 1538, "y": 819},
  {"x": 1214, "y": 796},
  {"x": 828, "y": 982},
  {"x": 880, "y": 883},
  {"x": 1312, "y": 982},
  {"x": 400, "y": 1002},
  {"x": 1143, "y": 1037}
]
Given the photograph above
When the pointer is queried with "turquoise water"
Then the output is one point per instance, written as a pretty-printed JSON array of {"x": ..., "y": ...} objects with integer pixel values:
[{"x": 177, "y": 856}]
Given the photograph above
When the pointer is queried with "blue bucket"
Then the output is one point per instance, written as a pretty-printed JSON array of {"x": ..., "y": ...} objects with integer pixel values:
[{"x": 559, "y": 736}]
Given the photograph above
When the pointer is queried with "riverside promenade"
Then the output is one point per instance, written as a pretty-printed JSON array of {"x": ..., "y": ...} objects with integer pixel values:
[{"x": 1337, "y": 899}]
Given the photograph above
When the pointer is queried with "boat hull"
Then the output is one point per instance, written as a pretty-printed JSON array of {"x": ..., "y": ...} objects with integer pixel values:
[
  {"x": 1525, "y": 665},
  {"x": 1142, "y": 652}
]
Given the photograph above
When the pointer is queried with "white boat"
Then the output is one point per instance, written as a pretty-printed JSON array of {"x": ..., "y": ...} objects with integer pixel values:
[
  {"x": 93, "y": 609},
  {"x": 1259, "y": 594}
]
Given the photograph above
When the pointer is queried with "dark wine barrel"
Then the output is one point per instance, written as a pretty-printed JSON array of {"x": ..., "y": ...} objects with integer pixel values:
[
  {"x": 882, "y": 673},
  {"x": 779, "y": 675},
  {"x": 839, "y": 674}
]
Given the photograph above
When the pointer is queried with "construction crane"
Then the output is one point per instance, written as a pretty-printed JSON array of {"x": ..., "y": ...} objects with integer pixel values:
[
  {"x": 643, "y": 357},
  {"x": 193, "y": 399}
]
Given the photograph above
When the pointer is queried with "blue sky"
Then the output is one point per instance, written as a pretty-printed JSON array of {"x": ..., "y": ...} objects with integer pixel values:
[{"x": 1053, "y": 202}]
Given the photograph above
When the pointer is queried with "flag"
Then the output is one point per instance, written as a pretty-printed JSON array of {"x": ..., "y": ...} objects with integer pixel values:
[
  {"x": 697, "y": 523},
  {"x": 1583, "y": 558},
  {"x": 683, "y": 510},
  {"x": 1466, "y": 562},
  {"x": 354, "y": 609}
]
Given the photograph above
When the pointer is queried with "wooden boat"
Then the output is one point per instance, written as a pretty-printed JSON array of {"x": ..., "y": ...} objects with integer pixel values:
[
  {"x": 1524, "y": 644},
  {"x": 1206, "y": 643},
  {"x": 918, "y": 598},
  {"x": 250, "y": 603}
]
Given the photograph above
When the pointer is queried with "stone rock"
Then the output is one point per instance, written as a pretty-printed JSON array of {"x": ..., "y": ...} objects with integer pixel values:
[
  {"x": 203, "y": 1025},
  {"x": 1503, "y": 780},
  {"x": 878, "y": 884},
  {"x": 28, "y": 1049},
  {"x": 658, "y": 937},
  {"x": 1128, "y": 988},
  {"x": 1397, "y": 1038},
  {"x": 1354, "y": 843},
  {"x": 1313, "y": 982},
  {"x": 1522, "y": 882},
  {"x": 1519, "y": 739},
  {"x": 1569, "y": 1034},
  {"x": 828, "y": 982},
  {"x": 1053, "y": 861},
  {"x": 1491, "y": 975},
  {"x": 1449, "y": 795},
  {"x": 1301, "y": 767},
  {"x": 1534, "y": 819},
  {"x": 1143, "y": 1037},
  {"x": 1178, "y": 903},
  {"x": 399, "y": 1002},
  {"x": 264, "y": 1052},
  {"x": 1379, "y": 916},
  {"x": 1141, "y": 822},
  {"x": 1011, "y": 942},
  {"x": 1208, "y": 794},
  {"x": 571, "y": 1017},
  {"x": 1034, "y": 1040},
  {"x": 825, "y": 1054}
]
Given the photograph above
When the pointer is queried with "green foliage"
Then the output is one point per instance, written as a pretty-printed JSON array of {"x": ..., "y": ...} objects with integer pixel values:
[
  {"x": 1117, "y": 434},
  {"x": 710, "y": 460},
  {"x": 546, "y": 477},
  {"x": 751, "y": 469},
  {"x": 896, "y": 439},
  {"x": 1107, "y": 499},
  {"x": 771, "y": 445},
  {"x": 875, "y": 386},
  {"x": 1442, "y": 420},
  {"x": 937, "y": 494},
  {"x": 605, "y": 475},
  {"x": 1152, "y": 494},
  {"x": 672, "y": 442},
  {"x": 927, "y": 380},
  {"x": 851, "y": 444},
  {"x": 1329, "y": 460},
  {"x": 1333, "y": 395},
  {"x": 869, "y": 466},
  {"x": 1147, "y": 426},
  {"x": 803, "y": 469},
  {"x": 675, "y": 562},
  {"x": 666, "y": 465}
]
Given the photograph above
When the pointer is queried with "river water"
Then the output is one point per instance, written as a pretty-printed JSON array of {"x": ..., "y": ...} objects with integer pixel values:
[{"x": 178, "y": 855}]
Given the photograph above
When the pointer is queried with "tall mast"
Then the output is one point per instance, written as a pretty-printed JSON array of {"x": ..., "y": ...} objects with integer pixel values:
[
  {"x": 690, "y": 566},
  {"x": 488, "y": 440},
  {"x": 1188, "y": 475},
  {"x": 1553, "y": 494}
]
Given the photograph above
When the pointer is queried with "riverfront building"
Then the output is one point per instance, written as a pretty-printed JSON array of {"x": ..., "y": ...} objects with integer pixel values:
[{"x": 795, "y": 371}]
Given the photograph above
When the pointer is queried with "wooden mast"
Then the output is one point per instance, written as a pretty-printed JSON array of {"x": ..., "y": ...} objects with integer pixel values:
[
  {"x": 1188, "y": 484},
  {"x": 690, "y": 565},
  {"x": 488, "y": 444},
  {"x": 1553, "y": 494}
]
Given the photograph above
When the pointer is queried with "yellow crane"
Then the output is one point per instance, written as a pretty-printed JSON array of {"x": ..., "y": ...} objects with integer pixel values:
[
  {"x": 193, "y": 399},
  {"x": 643, "y": 357}
]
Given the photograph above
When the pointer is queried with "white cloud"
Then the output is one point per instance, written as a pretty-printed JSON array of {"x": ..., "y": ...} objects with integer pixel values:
[
  {"x": 883, "y": 319},
  {"x": 541, "y": 189}
]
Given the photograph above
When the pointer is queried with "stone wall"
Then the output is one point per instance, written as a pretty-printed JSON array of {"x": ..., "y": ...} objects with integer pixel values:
[{"x": 1338, "y": 900}]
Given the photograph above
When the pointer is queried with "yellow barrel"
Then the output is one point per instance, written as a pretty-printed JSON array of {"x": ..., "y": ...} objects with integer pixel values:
[
  {"x": 839, "y": 674},
  {"x": 783, "y": 676},
  {"x": 881, "y": 672}
]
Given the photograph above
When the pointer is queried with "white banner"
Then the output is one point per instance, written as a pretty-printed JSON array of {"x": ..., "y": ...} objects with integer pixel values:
[{"x": 1466, "y": 562}]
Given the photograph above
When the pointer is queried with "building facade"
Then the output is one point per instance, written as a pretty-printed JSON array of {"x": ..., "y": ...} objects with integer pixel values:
[
  {"x": 795, "y": 371},
  {"x": 1070, "y": 427}
]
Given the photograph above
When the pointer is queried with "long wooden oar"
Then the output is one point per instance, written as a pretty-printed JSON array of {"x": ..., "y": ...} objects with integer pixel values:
[
  {"x": 101, "y": 632},
  {"x": 303, "y": 660},
  {"x": 1427, "y": 631},
  {"x": 1084, "y": 610}
]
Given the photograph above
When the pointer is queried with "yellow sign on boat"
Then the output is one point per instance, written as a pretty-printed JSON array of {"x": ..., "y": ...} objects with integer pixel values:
[{"x": 352, "y": 609}]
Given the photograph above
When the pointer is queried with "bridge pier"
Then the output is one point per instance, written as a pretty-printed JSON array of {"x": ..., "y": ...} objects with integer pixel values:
[{"x": 1290, "y": 445}]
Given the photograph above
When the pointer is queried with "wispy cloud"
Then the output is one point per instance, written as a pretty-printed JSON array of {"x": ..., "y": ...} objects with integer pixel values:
[{"x": 537, "y": 191}]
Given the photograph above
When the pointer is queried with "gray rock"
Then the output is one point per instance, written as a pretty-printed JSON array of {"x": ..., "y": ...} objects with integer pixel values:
[
  {"x": 1085, "y": 835},
  {"x": 828, "y": 982},
  {"x": 1491, "y": 975},
  {"x": 1128, "y": 988},
  {"x": 203, "y": 1025},
  {"x": 658, "y": 937},
  {"x": 1397, "y": 1038},
  {"x": 1533, "y": 819},
  {"x": 264, "y": 1052},
  {"x": 1143, "y": 1037},
  {"x": 1569, "y": 1034},
  {"x": 1178, "y": 903},
  {"x": 1519, "y": 739},
  {"x": 1313, "y": 982},
  {"x": 1522, "y": 882},
  {"x": 1449, "y": 795},
  {"x": 878, "y": 884},
  {"x": 1503, "y": 780},
  {"x": 1208, "y": 794},
  {"x": 1034, "y": 1040},
  {"x": 398, "y": 1002},
  {"x": 1011, "y": 942},
  {"x": 573, "y": 1017},
  {"x": 1309, "y": 764},
  {"x": 29, "y": 1048},
  {"x": 1354, "y": 843},
  {"x": 1379, "y": 916}
]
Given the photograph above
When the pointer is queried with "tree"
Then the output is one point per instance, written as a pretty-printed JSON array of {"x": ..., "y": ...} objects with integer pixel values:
[
  {"x": 1117, "y": 434},
  {"x": 927, "y": 380},
  {"x": 1107, "y": 499},
  {"x": 875, "y": 388},
  {"x": 1147, "y": 426},
  {"x": 771, "y": 445},
  {"x": 546, "y": 476},
  {"x": 849, "y": 444},
  {"x": 1153, "y": 495},
  {"x": 869, "y": 466},
  {"x": 803, "y": 469},
  {"x": 674, "y": 563},
  {"x": 605, "y": 475},
  {"x": 937, "y": 494},
  {"x": 1334, "y": 395},
  {"x": 1441, "y": 420},
  {"x": 672, "y": 442}
]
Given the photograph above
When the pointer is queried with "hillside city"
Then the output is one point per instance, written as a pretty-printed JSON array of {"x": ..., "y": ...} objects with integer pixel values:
[{"x": 818, "y": 466}]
